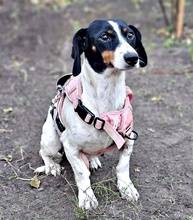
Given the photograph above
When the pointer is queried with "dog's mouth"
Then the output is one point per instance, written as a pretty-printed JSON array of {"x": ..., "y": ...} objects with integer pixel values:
[
  {"x": 128, "y": 66},
  {"x": 132, "y": 66},
  {"x": 110, "y": 65},
  {"x": 123, "y": 66}
]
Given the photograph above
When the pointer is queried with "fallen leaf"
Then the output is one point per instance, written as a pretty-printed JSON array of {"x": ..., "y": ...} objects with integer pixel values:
[
  {"x": 2, "y": 157},
  {"x": 136, "y": 169},
  {"x": 35, "y": 2},
  {"x": 27, "y": 59},
  {"x": 156, "y": 99},
  {"x": 162, "y": 32},
  {"x": 151, "y": 130},
  {"x": 7, "y": 110},
  {"x": 8, "y": 158},
  {"x": 16, "y": 64},
  {"x": 143, "y": 70},
  {"x": 35, "y": 182},
  {"x": 4, "y": 130}
]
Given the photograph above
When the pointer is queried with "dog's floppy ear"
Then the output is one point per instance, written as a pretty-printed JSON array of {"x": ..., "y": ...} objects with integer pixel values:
[
  {"x": 139, "y": 47},
  {"x": 78, "y": 46}
]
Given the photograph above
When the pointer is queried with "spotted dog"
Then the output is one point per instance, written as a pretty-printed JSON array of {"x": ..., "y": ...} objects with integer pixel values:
[{"x": 93, "y": 112}]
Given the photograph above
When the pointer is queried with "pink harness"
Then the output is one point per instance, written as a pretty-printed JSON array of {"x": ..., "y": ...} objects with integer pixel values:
[{"x": 118, "y": 124}]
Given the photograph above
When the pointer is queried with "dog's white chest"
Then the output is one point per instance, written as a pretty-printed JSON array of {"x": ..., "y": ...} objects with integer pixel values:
[{"x": 82, "y": 135}]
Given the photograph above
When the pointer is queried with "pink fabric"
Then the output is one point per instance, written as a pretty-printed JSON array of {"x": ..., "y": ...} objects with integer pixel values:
[
  {"x": 99, "y": 152},
  {"x": 116, "y": 122},
  {"x": 73, "y": 88}
]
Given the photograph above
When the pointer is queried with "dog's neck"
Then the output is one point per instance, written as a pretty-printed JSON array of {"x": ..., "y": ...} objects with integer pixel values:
[{"x": 102, "y": 92}]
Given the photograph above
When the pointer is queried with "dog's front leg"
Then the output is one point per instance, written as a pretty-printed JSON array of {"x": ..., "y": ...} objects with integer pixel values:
[
  {"x": 86, "y": 197},
  {"x": 125, "y": 186}
]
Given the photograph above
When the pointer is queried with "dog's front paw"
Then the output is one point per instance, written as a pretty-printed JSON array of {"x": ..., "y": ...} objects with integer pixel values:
[
  {"x": 95, "y": 163},
  {"x": 128, "y": 191},
  {"x": 87, "y": 199},
  {"x": 52, "y": 168}
]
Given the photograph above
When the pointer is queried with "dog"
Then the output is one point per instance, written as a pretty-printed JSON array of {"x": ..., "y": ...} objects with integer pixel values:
[{"x": 93, "y": 108}]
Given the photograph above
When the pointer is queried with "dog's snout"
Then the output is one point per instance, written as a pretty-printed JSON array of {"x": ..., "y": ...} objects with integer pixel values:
[{"x": 131, "y": 58}]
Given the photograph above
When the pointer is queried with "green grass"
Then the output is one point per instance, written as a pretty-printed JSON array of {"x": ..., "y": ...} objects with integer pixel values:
[
  {"x": 110, "y": 202},
  {"x": 189, "y": 218}
]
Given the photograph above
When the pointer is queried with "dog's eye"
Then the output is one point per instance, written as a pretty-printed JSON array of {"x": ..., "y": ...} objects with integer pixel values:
[
  {"x": 130, "y": 35},
  {"x": 104, "y": 37}
]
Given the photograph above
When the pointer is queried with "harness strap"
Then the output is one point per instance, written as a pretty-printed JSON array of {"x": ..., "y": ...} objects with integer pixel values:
[
  {"x": 117, "y": 138},
  {"x": 99, "y": 152},
  {"x": 117, "y": 124},
  {"x": 73, "y": 90},
  {"x": 101, "y": 123}
]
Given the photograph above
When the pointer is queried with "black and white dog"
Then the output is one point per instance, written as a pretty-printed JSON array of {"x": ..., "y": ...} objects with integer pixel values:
[{"x": 110, "y": 48}]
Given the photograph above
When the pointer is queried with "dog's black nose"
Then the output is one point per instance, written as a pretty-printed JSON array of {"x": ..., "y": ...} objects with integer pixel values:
[{"x": 131, "y": 58}]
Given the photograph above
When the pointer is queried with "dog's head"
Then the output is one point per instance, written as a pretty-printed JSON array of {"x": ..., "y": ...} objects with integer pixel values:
[{"x": 108, "y": 44}]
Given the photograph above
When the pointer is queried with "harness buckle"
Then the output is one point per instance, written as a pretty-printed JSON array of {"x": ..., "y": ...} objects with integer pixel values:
[
  {"x": 99, "y": 123},
  {"x": 84, "y": 113},
  {"x": 135, "y": 136},
  {"x": 59, "y": 90}
]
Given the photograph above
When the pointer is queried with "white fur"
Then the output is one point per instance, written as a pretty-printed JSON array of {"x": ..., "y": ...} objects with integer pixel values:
[
  {"x": 101, "y": 93},
  {"x": 122, "y": 49}
]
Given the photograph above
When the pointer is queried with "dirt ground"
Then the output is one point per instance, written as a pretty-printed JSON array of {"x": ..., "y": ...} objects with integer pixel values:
[{"x": 35, "y": 46}]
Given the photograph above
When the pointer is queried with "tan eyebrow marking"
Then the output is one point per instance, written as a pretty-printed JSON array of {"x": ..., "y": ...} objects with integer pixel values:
[
  {"x": 124, "y": 29},
  {"x": 94, "y": 48},
  {"x": 110, "y": 31}
]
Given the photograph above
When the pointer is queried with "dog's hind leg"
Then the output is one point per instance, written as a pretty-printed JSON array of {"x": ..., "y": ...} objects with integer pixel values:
[
  {"x": 50, "y": 146},
  {"x": 125, "y": 186}
]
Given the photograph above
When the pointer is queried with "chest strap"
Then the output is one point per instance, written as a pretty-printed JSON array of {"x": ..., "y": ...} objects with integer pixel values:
[{"x": 118, "y": 124}]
